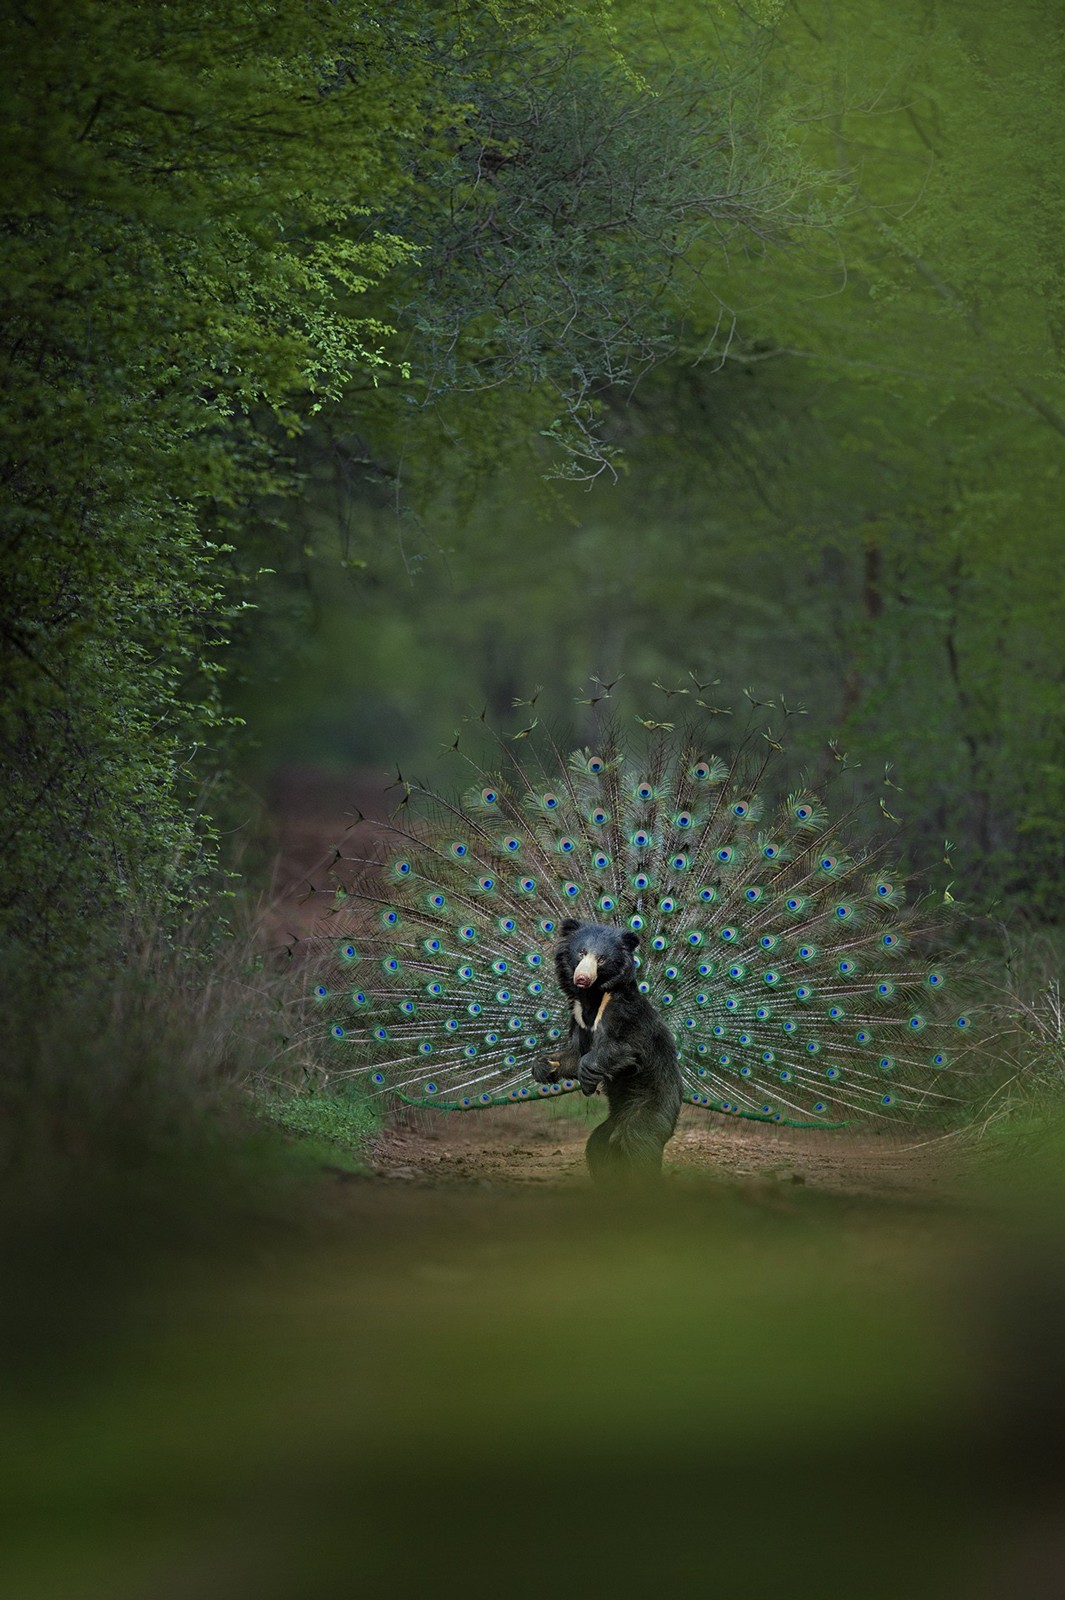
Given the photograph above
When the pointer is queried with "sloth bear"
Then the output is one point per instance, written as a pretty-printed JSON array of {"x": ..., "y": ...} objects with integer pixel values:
[{"x": 616, "y": 1040}]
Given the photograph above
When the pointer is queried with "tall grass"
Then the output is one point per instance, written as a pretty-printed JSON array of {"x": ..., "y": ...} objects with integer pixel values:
[{"x": 131, "y": 1116}]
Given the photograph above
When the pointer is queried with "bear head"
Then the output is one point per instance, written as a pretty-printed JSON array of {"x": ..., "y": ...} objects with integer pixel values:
[{"x": 594, "y": 955}]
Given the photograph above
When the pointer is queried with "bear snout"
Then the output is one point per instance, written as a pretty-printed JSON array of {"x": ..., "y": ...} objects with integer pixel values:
[{"x": 585, "y": 972}]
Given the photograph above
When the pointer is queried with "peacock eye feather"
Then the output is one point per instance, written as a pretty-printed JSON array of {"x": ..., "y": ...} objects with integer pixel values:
[{"x": 436, "y": 976}]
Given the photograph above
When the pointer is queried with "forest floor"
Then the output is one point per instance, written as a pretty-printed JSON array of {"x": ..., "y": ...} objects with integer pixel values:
[{"x": 537, "y": 1145}]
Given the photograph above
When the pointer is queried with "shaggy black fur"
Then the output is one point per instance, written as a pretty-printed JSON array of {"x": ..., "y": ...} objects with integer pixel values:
[{"x": 618, "y": 1042}]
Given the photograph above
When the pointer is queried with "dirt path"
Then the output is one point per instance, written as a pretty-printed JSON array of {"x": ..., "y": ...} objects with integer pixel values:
[{"x": 539, "y": 1146}]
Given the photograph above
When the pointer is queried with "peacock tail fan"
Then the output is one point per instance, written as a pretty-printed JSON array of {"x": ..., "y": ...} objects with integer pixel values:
[{"x": 801, "y": 984}]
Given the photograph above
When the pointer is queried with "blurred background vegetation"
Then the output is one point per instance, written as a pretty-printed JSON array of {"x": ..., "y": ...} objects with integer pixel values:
[{"x": 364, "y": 367}]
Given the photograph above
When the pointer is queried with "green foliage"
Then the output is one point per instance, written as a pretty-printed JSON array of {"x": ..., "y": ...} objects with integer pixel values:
[
  {"x": 573, "y": 218},
  {"x": 347, "y": 1119},
  {"x": 858, "y": 500},
  {"x": 215, "y": 215},
  {"x": 163, "y": 290}
]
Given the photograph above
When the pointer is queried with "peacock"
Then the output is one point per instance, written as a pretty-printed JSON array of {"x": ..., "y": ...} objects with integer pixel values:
[{"x": 800, "y": 982}]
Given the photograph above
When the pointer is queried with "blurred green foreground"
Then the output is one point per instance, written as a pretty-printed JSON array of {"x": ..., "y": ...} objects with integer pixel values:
[{"x": 740, "y": 1388}]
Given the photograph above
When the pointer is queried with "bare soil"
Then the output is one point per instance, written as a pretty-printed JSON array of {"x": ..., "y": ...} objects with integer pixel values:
[{"x": 535, "y": 1145}]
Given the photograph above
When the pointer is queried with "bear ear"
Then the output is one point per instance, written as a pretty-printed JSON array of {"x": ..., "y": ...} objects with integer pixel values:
[
  {"x": 629, "y": 939},
  {"x": 570, "y": 925}
]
